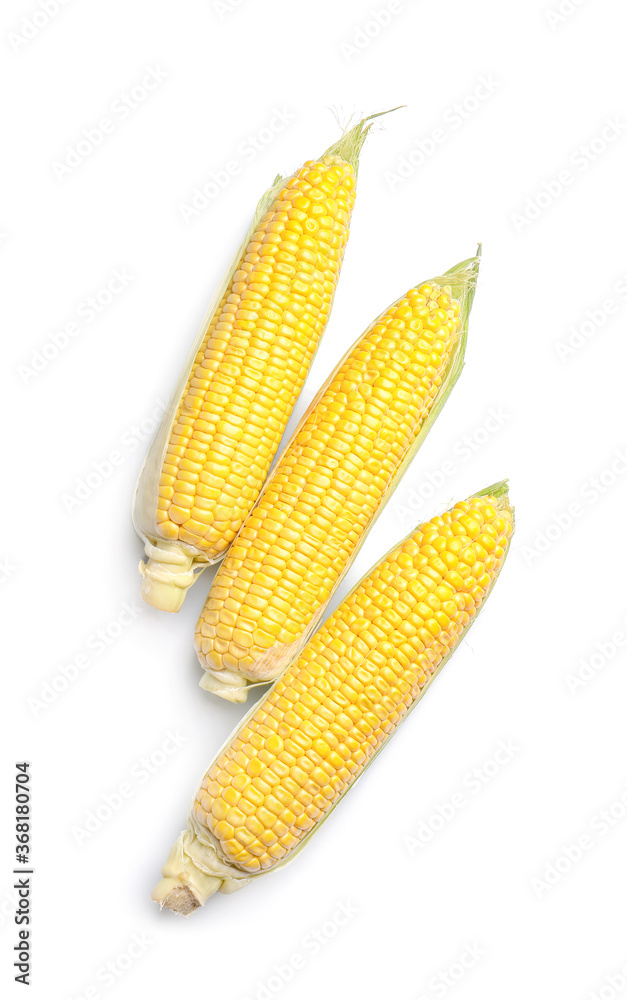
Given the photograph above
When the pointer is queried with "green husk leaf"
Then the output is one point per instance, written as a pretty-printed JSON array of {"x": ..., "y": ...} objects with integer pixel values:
[
  {"x": 350, "y": 144},
  {"x": 499, "y": 490}
]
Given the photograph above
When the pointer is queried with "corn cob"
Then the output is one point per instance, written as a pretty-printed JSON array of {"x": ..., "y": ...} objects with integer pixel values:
[
  {"x": 295, "y": 755},
  {"x": 222, "y": 428},
  {"x": 330, "y": 483}
]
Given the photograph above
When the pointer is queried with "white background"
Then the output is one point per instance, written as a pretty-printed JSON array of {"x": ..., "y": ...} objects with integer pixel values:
[{"x": 66, "y": 574}]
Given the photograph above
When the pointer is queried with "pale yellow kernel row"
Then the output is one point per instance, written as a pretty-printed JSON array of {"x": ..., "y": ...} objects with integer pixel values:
[
  {"x": 354, "y": 682},
  {"x": 254, "y": 359},
  {"x": 327, "y": 487}
]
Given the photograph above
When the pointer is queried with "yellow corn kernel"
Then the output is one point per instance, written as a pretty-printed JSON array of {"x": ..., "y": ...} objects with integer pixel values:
[
  {"x": 210, "y": 458},
  {"x": 344, "y": 459},
  {"x": 358, "y": 678}
]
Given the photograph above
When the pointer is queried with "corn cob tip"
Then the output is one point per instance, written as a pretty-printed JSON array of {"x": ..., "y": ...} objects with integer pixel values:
[
  {"x": 179, "y": 898},
  {"x": 462, "y": 278},
  {"x": 166, "y": 576},
  {"x": 233, "y": 685},
  {"x": 184, "y": 886},
  {"x": 350, "y": 144},
  {"x": 499, "y": 493},
  {"x": 226, "y": 684},
  {"x": 460, "y": 282},
  {"x": 192, "y": 874}
]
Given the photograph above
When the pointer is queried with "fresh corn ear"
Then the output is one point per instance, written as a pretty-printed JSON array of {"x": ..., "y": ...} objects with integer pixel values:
[
  {"x": 336, "y": 473},
  {"x": 297, "y": 753},
  {"x": 223, "y": 425}
]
